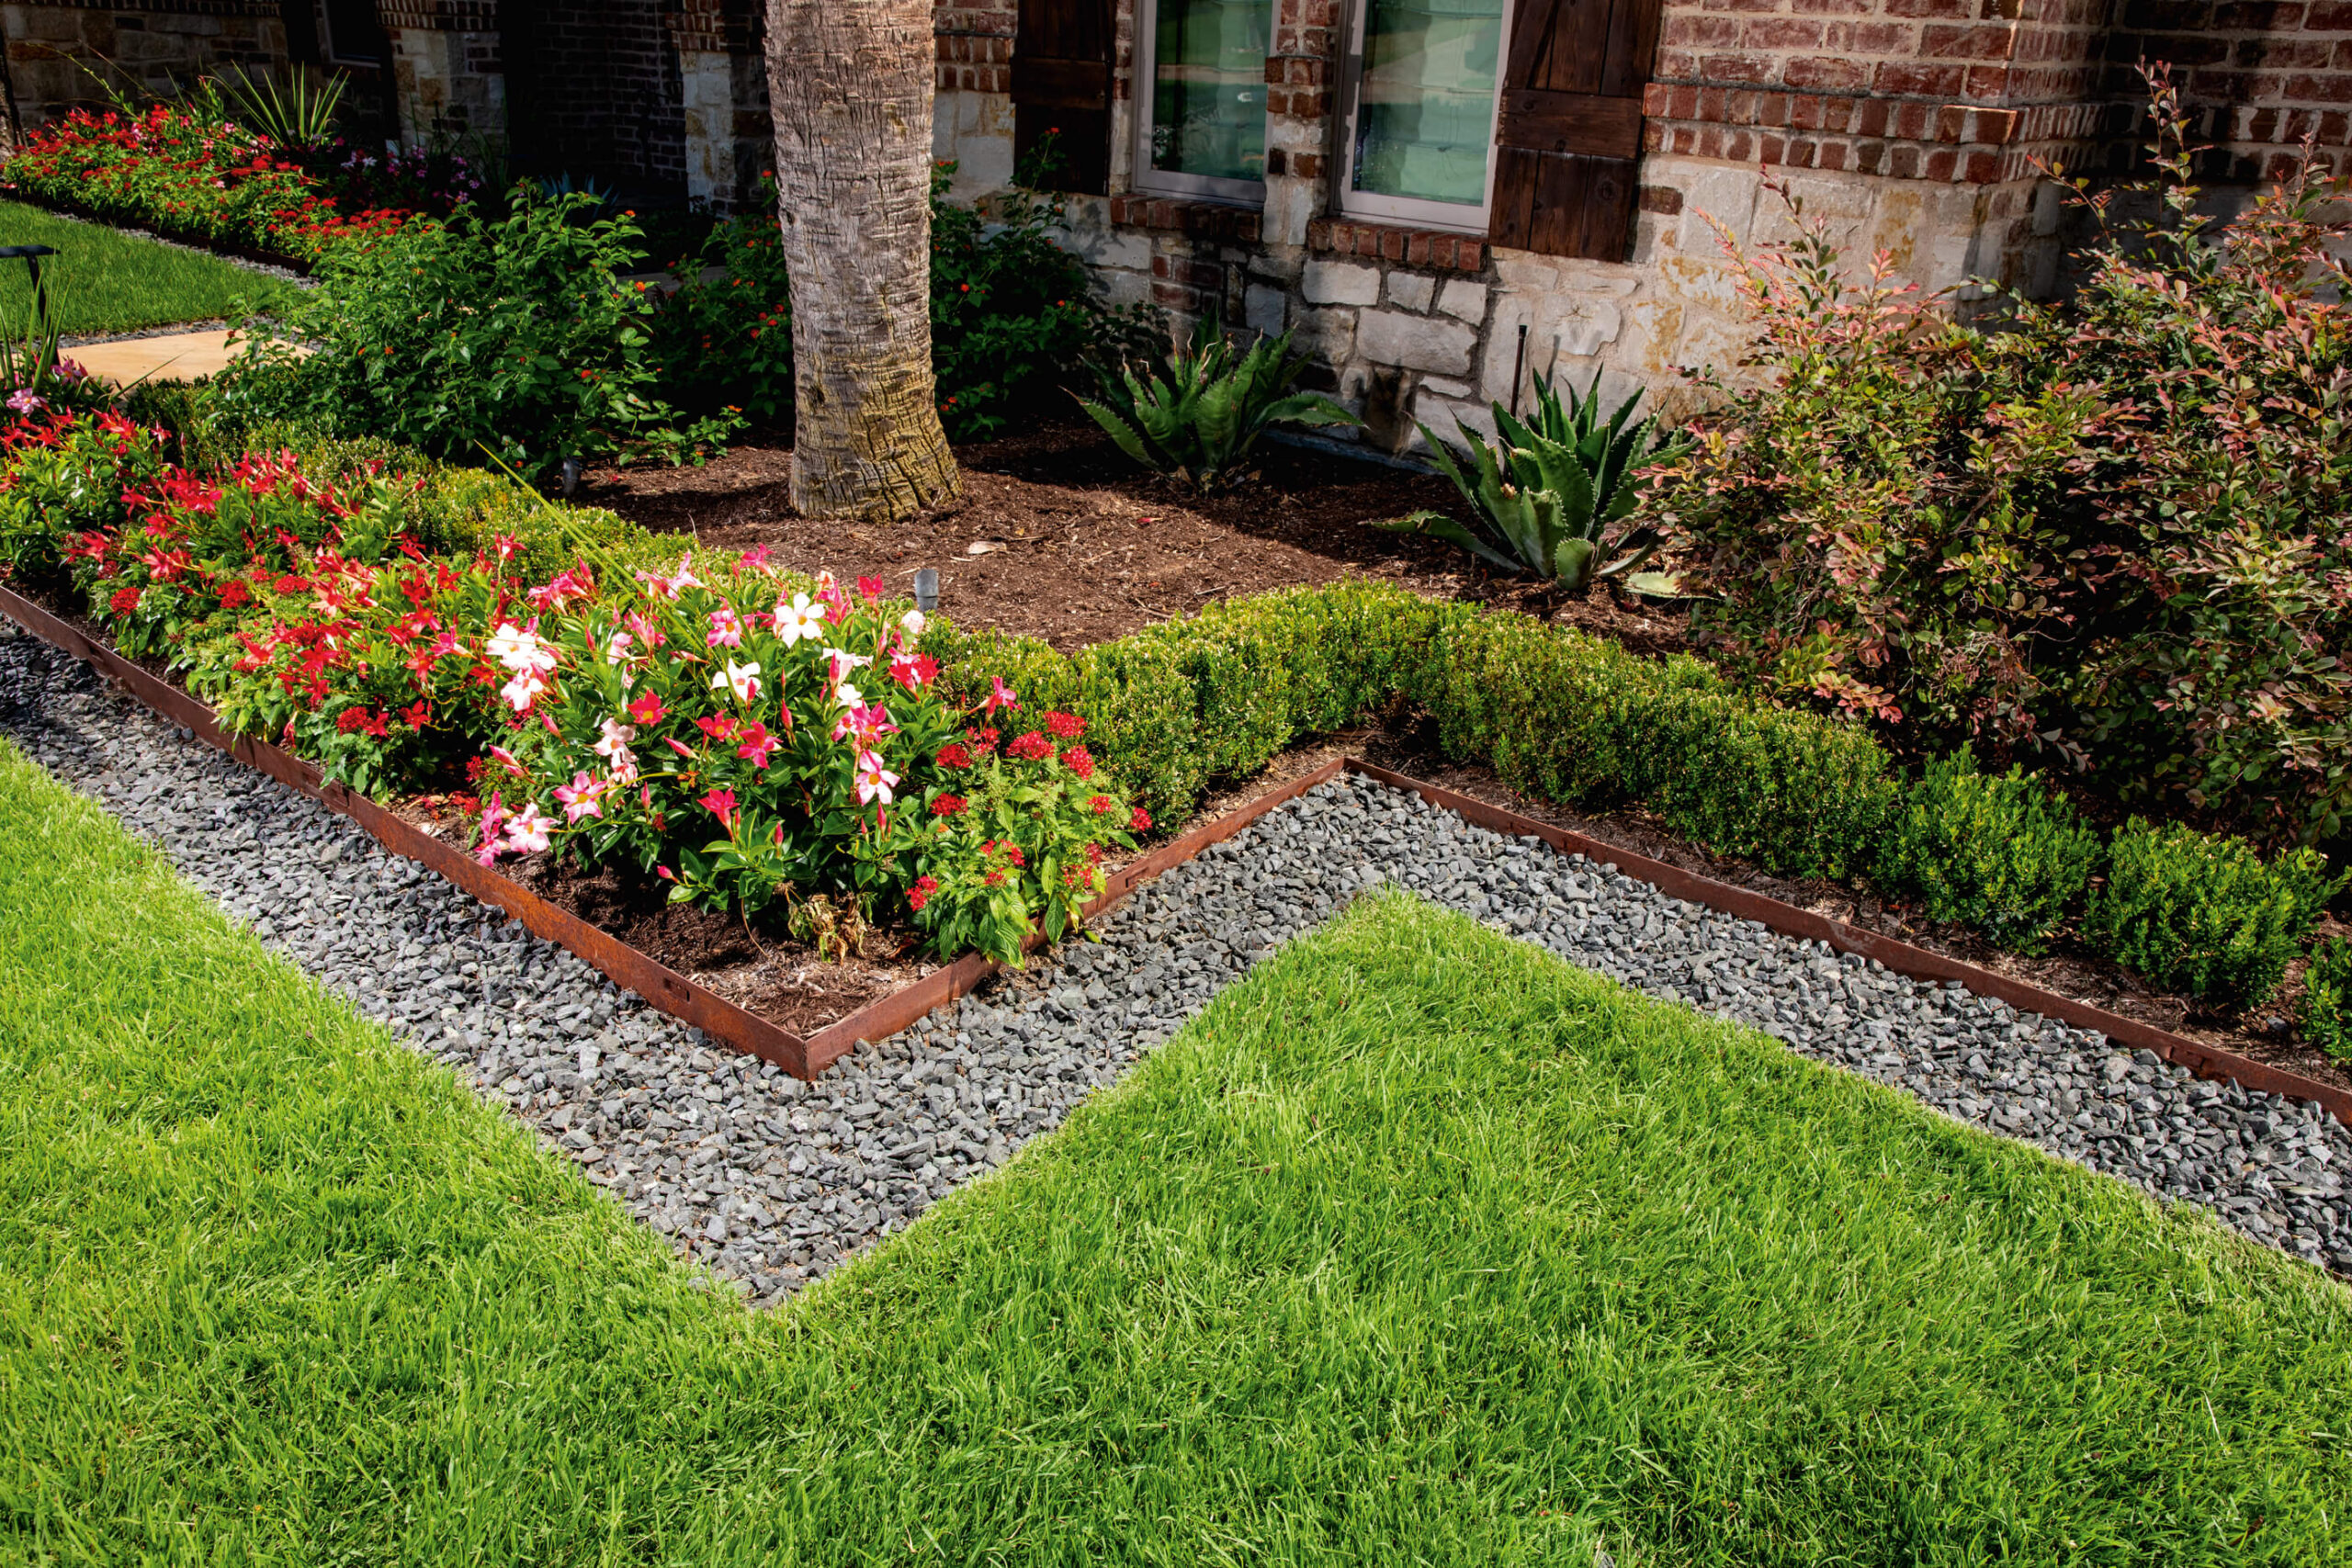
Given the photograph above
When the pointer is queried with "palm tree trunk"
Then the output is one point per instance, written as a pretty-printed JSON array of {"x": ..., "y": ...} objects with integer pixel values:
[{"x": 849, "y": 83}]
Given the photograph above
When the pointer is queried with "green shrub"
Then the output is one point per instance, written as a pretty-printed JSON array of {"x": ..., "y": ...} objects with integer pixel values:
[
  {"x": 1999, "y": 854},
  {"x": 1581, "y": 721},
  {"x": 515, "y": 336},
  {"x": 2205, "y": 914},
  {"x": 2328, "y": 999}
]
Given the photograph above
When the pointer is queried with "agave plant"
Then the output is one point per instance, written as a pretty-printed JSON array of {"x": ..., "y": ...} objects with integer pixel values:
[
  {"x": 1199, "y": 423},
  {"x": 1547, "y": 498}
]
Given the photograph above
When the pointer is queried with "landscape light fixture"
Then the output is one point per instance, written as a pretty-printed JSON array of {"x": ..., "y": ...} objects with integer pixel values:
[{"x": 927, "y": 589}]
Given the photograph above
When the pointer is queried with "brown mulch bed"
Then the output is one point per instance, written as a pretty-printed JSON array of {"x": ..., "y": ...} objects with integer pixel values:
[{"x": 1079, "y": 546}]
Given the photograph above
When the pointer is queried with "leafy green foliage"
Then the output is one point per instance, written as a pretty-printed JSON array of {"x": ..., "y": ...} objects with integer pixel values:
[
  {"x": 1199, "y": 423},
  {"x": 2203, "y": 914},
  {"x": 2327, "y": 999},
  {"x": 514, "y": 337},
  {"x": 1998, "y": 852},
  {"x": 1547, "y": 498},
  {"x": 2110, "y": 525},
  {"x": 297, "y": 112}
]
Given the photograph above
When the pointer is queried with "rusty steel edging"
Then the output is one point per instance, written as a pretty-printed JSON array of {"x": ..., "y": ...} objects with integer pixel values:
[
  {"x": 880, "y": 1020},
  {"x": 663, "y": 987},
  {"x": 2203, "y": 1060}
]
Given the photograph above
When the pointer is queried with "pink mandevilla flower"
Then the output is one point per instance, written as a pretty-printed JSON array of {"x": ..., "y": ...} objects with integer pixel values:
[
  {"x": 721, "y": 803},
  {"x": 757, "y": 744},
  {"x": 999, "y": 696},
  {"x": 726, "y": 629},
  {"x": 527, "y": 833},
  {"x": 578, "y": 798},
  {"x": 873, "y": 779}
]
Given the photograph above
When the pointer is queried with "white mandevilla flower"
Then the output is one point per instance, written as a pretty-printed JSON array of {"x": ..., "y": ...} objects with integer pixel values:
[
  {"x": 849, "y": 696},
  {"x": 743, "y": 680},
  {"x": 798, "y": 619},
  {"x": 614, "y": 738},
  {"x": 518, "y": 649},
  {"x": 520, "y": 691},
  {"x": 913, "y": 623}
]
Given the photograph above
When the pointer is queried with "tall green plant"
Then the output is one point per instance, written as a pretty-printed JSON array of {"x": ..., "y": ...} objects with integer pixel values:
[
  {"x": 1200, "y": 423},
  {"x": 1546, "y": 498},
  {"x": 297, "y": 112}
]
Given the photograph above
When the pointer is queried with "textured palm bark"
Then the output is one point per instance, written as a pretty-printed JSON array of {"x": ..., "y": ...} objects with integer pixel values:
[{"x": 850, "y": 83}]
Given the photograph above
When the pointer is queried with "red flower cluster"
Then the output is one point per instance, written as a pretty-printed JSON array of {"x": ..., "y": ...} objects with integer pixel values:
[
  {"x": 919, "y": 894},
  {"x": 1068, "y": 726},
  {"x": 954, "y": 756},
  {"x": 1079, "y": 761},
  {"x": 1029, "y": 748},
  {"x": 948, "y": 805}
]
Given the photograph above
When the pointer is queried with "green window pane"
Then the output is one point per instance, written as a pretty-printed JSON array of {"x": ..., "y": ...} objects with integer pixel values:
[
  {"x": 1425, "y": 111},
  {"x": 1208, "y": 88}
]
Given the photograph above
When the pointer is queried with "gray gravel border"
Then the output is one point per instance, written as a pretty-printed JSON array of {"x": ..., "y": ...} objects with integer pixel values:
[{"x": 770, "y": 1181}]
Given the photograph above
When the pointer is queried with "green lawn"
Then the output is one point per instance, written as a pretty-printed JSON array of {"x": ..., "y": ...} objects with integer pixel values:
[
  {"x": 104, "y": 281},
  {"x": 1419, "y": 1247}
]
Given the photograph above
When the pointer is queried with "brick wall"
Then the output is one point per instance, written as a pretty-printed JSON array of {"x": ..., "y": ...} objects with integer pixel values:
[
  {"x": 2262, "y": 73},
  {"x": 594, "y": 90},
  {"x": 146, "y": 45}
]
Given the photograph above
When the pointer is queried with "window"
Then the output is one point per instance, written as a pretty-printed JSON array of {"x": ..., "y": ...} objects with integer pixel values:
[
  {"x": 1418, "y": 115},
  {"x": 1202, "y": 129},
  {"x": 353, "y": 35}
]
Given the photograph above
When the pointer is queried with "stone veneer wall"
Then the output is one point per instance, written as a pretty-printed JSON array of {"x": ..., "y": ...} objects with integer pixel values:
[{"x": 53, "y": 47}]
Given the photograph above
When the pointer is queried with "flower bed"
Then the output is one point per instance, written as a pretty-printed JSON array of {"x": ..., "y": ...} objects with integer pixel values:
[
  {"x": 706, "y": 728},
  {"x": 220, "y": 184}
]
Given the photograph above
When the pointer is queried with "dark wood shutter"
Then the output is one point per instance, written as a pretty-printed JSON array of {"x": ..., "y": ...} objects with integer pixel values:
[
  {"x": 1061, "y": 81},
  {"x": 1570, "y": 129}
]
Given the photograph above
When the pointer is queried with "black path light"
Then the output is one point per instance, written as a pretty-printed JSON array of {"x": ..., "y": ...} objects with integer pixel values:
[
  {"x": 927, "y": 590},
  {"x": 30, "y": 256}
]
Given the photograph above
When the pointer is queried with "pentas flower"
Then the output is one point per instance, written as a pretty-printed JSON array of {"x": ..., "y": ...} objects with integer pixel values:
[
  {"x": 1029, "y": 748},
  {"x": 647, "y": 709},
  {"x": 948, "y": 805},
  {"x": 1141, "y": 822},
  {"x": 1068, "y": 726},
  {"x": 983, "y": 741},
  {"x": 1079, "y": 761},
  {"x": 743, "y": 680},
  {"x": 797, "y": 620},
  {"x": 953, "y": 756},
  {"x": 125, "y": 600},
  {"x": 721, "y": 803},
  {"x": 726, "y": 629},
  {"x": 919, "y": 894},
  {"x": 1098, "y": 804}
]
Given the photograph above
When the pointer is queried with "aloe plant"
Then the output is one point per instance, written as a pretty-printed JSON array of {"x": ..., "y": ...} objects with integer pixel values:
[
  {"x": 1200, "y": 421},
  {"x": 1546, "y": 497}
]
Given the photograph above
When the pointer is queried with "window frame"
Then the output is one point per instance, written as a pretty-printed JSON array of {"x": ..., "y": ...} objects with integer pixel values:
[
  {"x": 1148, "y": 181},
  {"x": 1417, "y": 212}
]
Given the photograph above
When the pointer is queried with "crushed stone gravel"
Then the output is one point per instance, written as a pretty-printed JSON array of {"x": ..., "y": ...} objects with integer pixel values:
[{"x": 769, "y": 1182}]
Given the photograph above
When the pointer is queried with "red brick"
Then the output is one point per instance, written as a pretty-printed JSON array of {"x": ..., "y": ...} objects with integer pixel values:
[
  {"x": 1941, "y": 41},
  {"x": 1779, "y": 33},
  {"x": 1828, "y": 73},
  {"x": 1905, "y": 78}
]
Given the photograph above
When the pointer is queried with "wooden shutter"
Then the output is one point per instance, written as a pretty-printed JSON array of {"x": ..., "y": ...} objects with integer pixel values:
[
  {"x": 1570, "y": 129},
  {"x": 1061, "y": 81}
]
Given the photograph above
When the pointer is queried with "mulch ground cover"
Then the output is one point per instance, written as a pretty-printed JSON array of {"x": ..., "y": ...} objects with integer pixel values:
[{"x": 1075, "y": 545}]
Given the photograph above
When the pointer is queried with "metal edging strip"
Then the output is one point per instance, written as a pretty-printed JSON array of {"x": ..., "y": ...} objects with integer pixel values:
[{"x": 2205, "y": 1061}]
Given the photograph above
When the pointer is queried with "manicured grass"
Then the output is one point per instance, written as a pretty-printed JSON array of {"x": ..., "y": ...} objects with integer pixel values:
[
  {"x": 104, "y": 281},
  {"x": 1419, "y": 1247}
]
